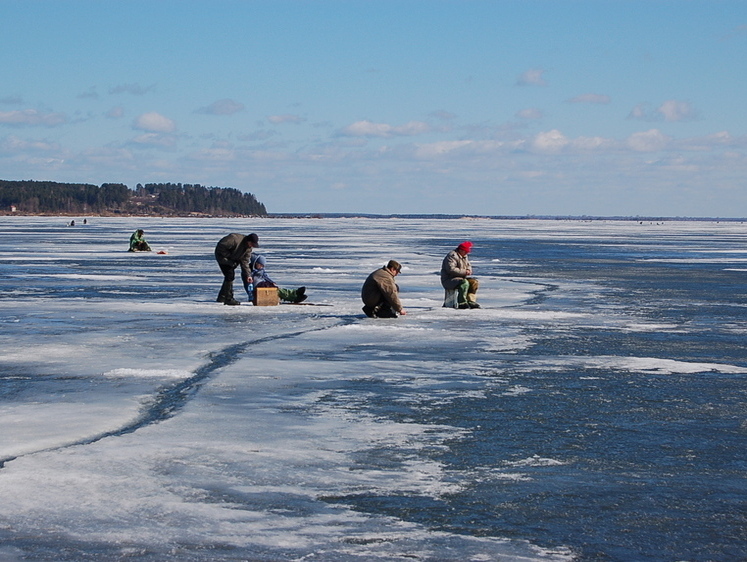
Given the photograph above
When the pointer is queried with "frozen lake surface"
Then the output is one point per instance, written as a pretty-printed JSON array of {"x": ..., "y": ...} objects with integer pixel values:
[{"x": 594, "y": 409}]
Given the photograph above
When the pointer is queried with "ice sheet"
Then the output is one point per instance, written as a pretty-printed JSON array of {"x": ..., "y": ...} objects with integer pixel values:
[{"x": 142, "y": 419}]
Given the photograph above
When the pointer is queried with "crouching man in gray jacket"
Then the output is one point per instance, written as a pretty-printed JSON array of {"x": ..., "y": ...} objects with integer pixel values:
[{"x": 379, "y": 292}]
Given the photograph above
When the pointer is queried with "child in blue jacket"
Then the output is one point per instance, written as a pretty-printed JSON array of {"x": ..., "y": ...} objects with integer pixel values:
[{"x": 261, "y": 279}]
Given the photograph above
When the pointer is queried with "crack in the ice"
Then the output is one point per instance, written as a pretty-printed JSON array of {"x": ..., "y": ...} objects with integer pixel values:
[
  {"x": 538, "y": 296},
  {"x": 170, "y": 400}
]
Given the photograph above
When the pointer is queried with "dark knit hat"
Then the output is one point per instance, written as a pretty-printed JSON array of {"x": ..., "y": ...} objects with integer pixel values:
[
  {"x": 394, "y": 265},
  {"x": 253, "y": 238}
]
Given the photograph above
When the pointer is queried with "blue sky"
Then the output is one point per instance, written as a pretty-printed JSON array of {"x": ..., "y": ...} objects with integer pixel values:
[{"x": 517, "y": 107}]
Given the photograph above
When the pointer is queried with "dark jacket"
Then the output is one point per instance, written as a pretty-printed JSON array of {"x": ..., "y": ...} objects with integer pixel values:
[
  {"x": 380, "y": 286},
  {"x": 234, "y": 250}
]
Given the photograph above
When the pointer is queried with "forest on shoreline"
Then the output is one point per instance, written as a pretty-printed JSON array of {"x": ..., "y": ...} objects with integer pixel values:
[
  {"x": 46, "y": 198},
  {"x": 116, "y": 199}
]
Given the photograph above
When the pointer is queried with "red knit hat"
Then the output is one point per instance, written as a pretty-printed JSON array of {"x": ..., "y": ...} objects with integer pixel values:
[{"x": 466, "y": 247}]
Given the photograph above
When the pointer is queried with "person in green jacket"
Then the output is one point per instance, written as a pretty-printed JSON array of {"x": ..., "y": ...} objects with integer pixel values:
[{"x": 138, "y": 242}]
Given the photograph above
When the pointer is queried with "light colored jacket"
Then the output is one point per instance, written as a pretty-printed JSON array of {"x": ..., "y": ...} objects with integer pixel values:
[
  {"x": 260, "y": 278},
  {"x": 454, "y": 269}
]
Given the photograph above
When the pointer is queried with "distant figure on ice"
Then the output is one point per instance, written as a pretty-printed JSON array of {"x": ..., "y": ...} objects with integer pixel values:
[
  {"x": 260, "y": 278},
  {"x": 72, "y": 223},
  {"x": 379, "y": 292},
  {"x": 232, "y": 251},
  {"x": 138, "y": 242},
  {"x": 455, "y": 275}
]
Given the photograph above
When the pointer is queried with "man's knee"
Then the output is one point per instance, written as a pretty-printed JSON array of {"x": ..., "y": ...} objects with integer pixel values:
[{"x": 473, "y": 284}]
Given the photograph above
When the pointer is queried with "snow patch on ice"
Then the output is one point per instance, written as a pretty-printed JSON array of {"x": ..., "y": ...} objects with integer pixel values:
[
  {"x": 112, "y": 278},
  {"x": 652, "y": 365},
  {"x": 535, "y": 460},
  {"x": 516, "y": 390},
  {"x": 147, "y": 373}
]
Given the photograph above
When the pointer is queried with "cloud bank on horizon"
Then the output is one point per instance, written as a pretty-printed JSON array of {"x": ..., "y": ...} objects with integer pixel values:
[{"x": 500, "y": 108}]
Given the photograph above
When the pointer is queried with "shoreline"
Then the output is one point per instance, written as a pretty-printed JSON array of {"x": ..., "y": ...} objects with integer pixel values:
[{"x": 434, "y": 216}]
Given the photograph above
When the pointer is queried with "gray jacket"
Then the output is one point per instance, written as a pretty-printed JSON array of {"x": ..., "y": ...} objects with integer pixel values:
[
  {"x": 380, "y": 286},
  {"x": 454, "y": 269}
]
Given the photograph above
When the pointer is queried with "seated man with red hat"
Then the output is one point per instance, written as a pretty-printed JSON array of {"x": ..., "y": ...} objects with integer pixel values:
[{"x": 455, "y": 275}]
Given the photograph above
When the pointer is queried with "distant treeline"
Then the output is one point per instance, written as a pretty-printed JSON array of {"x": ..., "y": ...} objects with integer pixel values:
[{"x": 172, "y": 199}]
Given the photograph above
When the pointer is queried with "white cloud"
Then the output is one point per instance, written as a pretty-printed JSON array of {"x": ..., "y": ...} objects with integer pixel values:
[
  {"x": 639, "y": 112},
  {"x": 648, "y": 141},
  {"x": 154, "y": 122},
  {"x": 674, "y": 110},
  {"x": 532, "y": 77},
  {"x": 593, "y": 143},
  {"x": 679, "y": 164},
  {"x": 438, "y": 148},
  {"x": 222, "y": 107},
  {"x": 155, "y": 139},
  {"x": 287, "y": 118},
  {"x": 13, "y": 144},
  {"x": 384, "y": 130},
  {"x": 591, "y": 98},
  {"x": 530, "y": 113},
  {"x": 670, "y": 110},
  {"x": 722, "y": 139},
  {"x": 30, "y": 118},
  {"x": 412, "y": 128},
  {"x": 489, "y": 148},
  {"x": 547, "y": 142},
  {"x": 367, "y": 129},
  {"x": 550, "y": 141}
]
